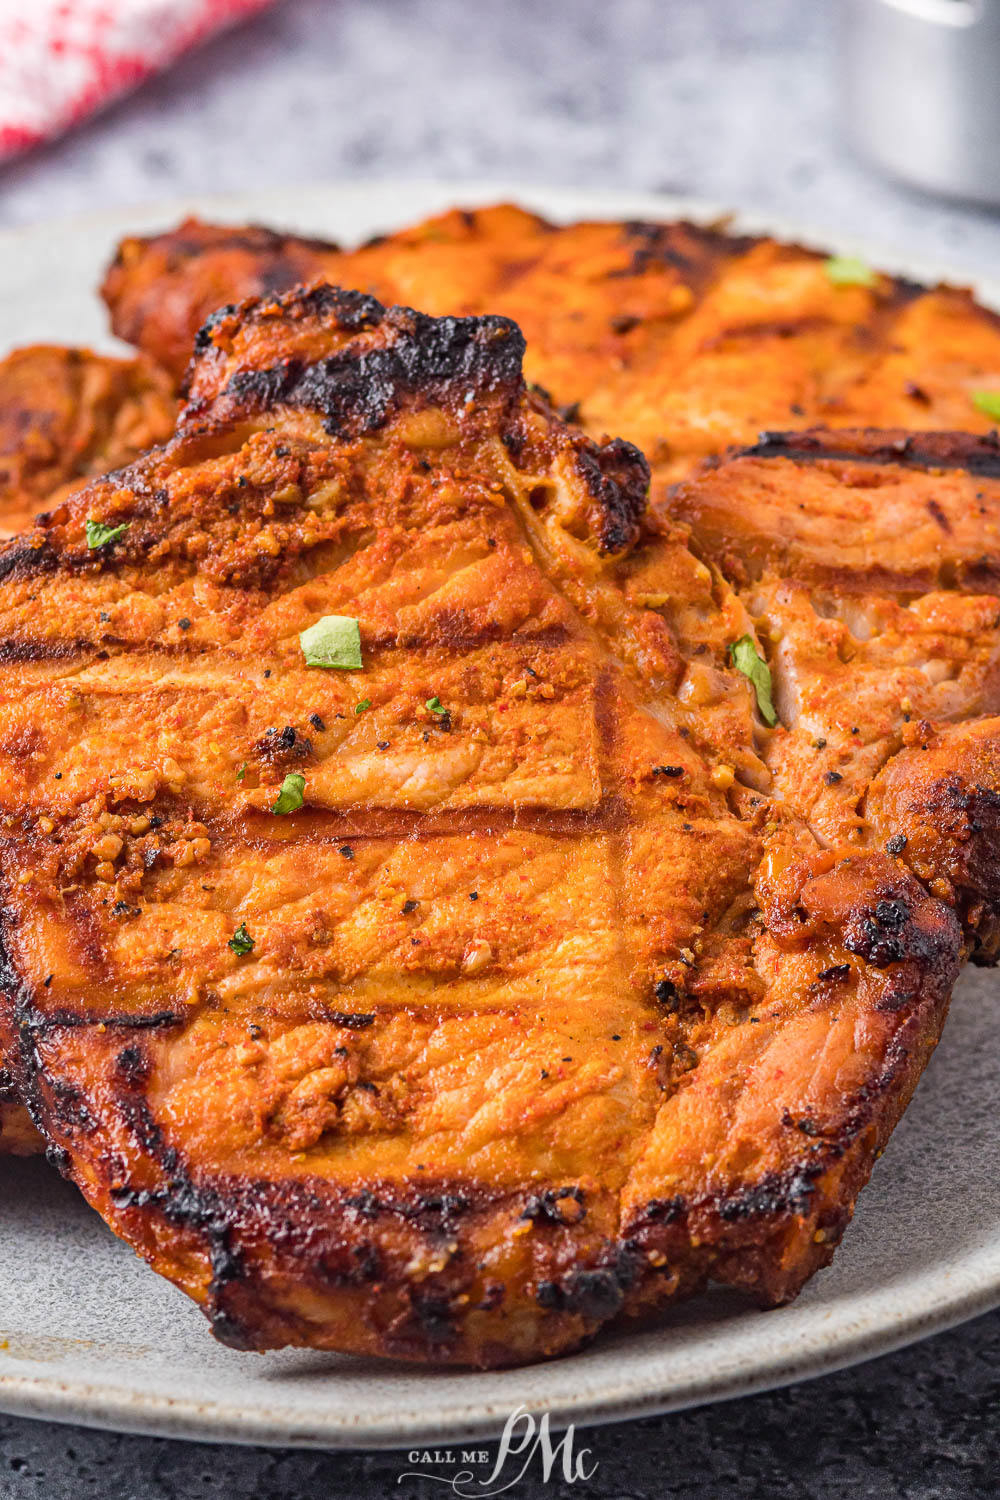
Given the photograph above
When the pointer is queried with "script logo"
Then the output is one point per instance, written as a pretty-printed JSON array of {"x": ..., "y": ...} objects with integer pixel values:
[{"x": 522, "y": 1442}]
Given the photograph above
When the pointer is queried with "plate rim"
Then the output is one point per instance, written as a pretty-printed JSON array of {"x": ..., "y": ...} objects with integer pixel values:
[
  {"x": 114, "y": 1408},
  {"x": 870, "y": 1334}
]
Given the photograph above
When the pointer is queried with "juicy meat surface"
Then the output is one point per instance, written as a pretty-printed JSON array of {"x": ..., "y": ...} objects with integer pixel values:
[
  {"x": 682, "y": 339},
  {"x": 869, "y": 563},
  {"x": 65, "y": 415},
  {"x": 69, "y": 414},
  {"x": 531, "y": 1015}
]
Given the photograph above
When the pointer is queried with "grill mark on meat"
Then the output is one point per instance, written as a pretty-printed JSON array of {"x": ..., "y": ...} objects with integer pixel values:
[
  {"x": 334, "y": 826},
  {"x": 979, "y": 455},
  {"x": 42, "y": 1022},
  {"x": 320, "y": 826},
  {"x": 448, "y": 632},
  {"x": 939, "y": 515},
  {"x": 13, "y": 650}
]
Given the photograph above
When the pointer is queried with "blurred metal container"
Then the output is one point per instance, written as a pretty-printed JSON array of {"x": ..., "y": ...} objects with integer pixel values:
[{"x": 921, "y": 91}]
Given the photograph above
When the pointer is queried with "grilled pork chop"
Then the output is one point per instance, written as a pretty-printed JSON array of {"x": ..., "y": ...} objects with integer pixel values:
[
  {"x": 451, "y": 1006},
  {"x": 683, "y": 339}
]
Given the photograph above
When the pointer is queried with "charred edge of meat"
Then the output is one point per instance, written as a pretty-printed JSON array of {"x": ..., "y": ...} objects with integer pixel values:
[
  {"x": 21, "y": 560},
  {"x": 594, "y": 1292},
  {"x": 33, "y": 1025},
  {"x": 27, "y": 1064},
  {"x": 564, "y": 1205},
  {"x": 303, "y": 1221},
  {"x": 356, "y": 392},
  {"x": 694, "y": 250},
  {"x": 304, "y": 1226},
  {"x": 203, "y": 337},
  {"x": 889, "y": 931},
  {"x": 348, "y": 309},
  {"x": 776, "y": 1195},
  {"x": 192, "y": 240},
  {"x": 617, "y": 477},
  {"x": 967, "y": 820},
  {"x": 921, "y": 450},
  {"x": 183, "y": 1203}
]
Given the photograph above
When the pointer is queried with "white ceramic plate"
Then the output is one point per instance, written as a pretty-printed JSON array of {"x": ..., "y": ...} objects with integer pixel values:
[{"x": 89, "y": 1334}]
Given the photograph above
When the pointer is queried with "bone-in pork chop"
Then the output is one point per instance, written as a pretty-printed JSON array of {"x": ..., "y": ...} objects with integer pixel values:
[{"x": 452, "y": 1005}]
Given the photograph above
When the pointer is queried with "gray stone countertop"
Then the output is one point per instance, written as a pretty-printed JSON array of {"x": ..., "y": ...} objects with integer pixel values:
[{"x": 734, "y": 101}]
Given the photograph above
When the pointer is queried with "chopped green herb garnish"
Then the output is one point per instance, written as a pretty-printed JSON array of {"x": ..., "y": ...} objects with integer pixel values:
[
  {"x": 849, "y": 270},
  {"x": 359, "y": 708},
  {"x": 99, "y": 534},
  {"x": 436, "y": 706},
  {"x": 241, "y": 942},
  {"x": 745, "y": 659},
  {"x": 334, "y": 641},
  {"x": 241, "y": 772},
  {"x": 290, "y": 796},
  {"x": 988, "y": 402}
]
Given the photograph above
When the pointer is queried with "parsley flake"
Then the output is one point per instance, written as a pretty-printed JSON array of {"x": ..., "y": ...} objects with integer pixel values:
[
  {"x": 241, "y": 772},
  {"x": 290, "y": 796},
  {"x": 241, "y": 942},
  {"x": 436, "y": 706},
  {"x": 334, "y": 641},
  {"x": 743, "y": 654},
  {"x": 848, "y": 270},
  {"x": 988, "y": 402},
  {"x": 359, "y": 708},
  {"x": 99, "y": 533}
]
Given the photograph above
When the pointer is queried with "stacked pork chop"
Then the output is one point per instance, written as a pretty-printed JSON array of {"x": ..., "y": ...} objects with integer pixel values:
[{"x": 575, "y": 929}]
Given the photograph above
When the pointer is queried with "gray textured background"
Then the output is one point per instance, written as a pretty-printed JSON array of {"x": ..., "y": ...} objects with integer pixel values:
[{"x": 731, "y": 100}]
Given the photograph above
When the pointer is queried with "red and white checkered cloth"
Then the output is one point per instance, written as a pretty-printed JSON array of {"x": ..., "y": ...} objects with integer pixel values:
[{"x": 61, "y": 60}]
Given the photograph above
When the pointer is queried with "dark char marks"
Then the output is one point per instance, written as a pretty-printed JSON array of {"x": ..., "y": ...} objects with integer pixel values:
[
  {"x": 356, "y": 392},
  {"x": 920, "y": 450},
  {"x": 617, "y": 476}
]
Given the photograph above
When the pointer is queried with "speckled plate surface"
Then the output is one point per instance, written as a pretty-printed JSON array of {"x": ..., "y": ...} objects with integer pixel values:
[{"x": 89, "y": 1334}]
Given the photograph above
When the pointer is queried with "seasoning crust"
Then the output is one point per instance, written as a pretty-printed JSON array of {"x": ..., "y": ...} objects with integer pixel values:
[{"x": 451, "y": 1007}]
